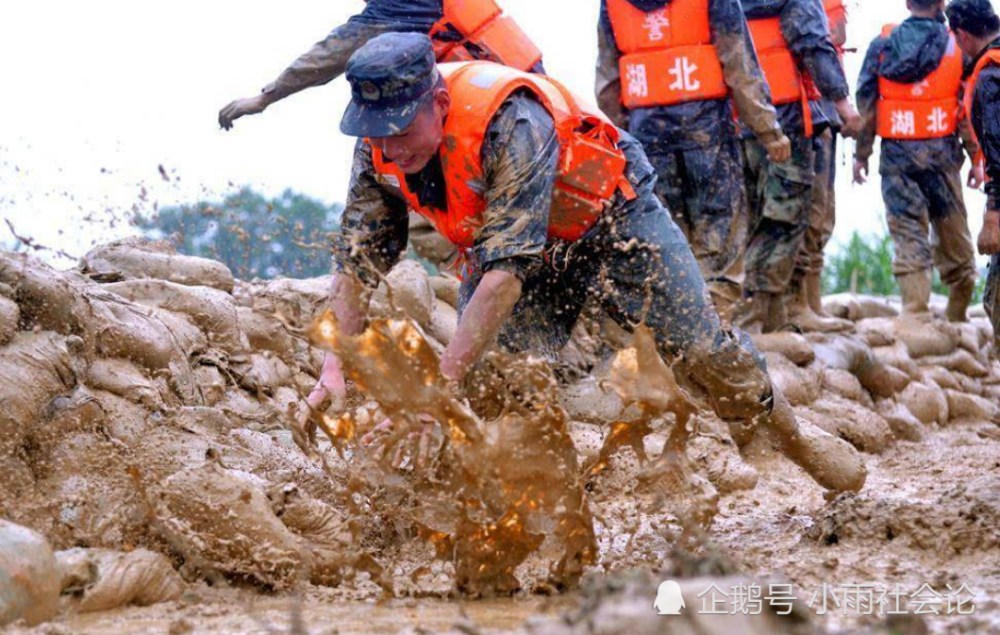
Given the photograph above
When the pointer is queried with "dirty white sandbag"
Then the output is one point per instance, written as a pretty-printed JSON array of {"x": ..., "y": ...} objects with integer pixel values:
[
  {"x": 321, "y": 527},
  {"x": 265, "y": 332},
  {"x": 446, "y": 289},
  {"x": 861, "y": 427},
  {"x": 125, "y": 379},
  {"x": 262, "y": 373},
  {"x": 928, "y": 403},
  {"x": 444, "y": 322},
  {"x": 125, "y": 421},
  {"x": 898, "y": 356},
  {"x": 847, "y": 385},
  {"x": 102, "y": 580},
  {"x": 213, "y": 311},
  {"x": 10, "y": 317},
  {"x": 850, "y": 354},
  {"x": 801, "y": 386},
  {"x": 922, "y": 337},
  {"x": 221, "y": 519},
  {"x": 855, "y": 307},
  {"x": 904, "y": 425},
  {"x": 48, "y": 299},
  {"x": 135, "y": 258},
  {"x": 791, "y": 345},
  {"x": 940, "y": 376},
  {"x": 211, "y": 382},
  {"x": 298, "y": 301},
  {"x": 589, "y": 402},
  {"x": 966, "y": 407},
  {"x": 411, "y": 293},
  {"x": 30, "y": 580},
  {"x": 35, "y": 368},
  {"x": 961, "y": 361}
]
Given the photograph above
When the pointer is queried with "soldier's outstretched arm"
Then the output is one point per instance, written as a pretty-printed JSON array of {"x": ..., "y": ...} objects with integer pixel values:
[
  {"x": 742, "y": 73},
  {"x": 867, "y": 97},
  {"x": 324, "y": 62},
  {"x": 609, "y": 86}
]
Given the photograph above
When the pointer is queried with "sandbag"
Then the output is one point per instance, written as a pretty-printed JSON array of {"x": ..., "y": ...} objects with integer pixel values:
[
  {"x": 35, "y": 368},
  {"x": 847, "y": 385},
  {"x": 211, "y": 382},
  {"x": 960, "y": 361},
  {"x": 124, "y": 420},
  {"x": 801, "y": 386},
  {"x": 923, "y": 338},
  {"x": 298, "y": 302},
  {"x": 589, "y": 402},
  {"x": 852, "y": 355},
  {"x": 102, "y": 579},
  {"x": 411, "y": 294},
  {"x": 965, "y": 407},
  {"x": 138, "y": 258},
  {"x": 262, "y": 374},
  {"x": 898, "y": 356},
  {"x": 928, "y": 403},
  {"x": 444, "y": 322},
  {"x": 125, "y": 379},
  {"x": 446, "y": 289},
  {"x": 861, "y": 427},
  {"x": 850, "y": 306},
  {"x": 47, "y": 298},
  {"x": 221, "y": 520},
  {"x": 213, "y": 311},
  {"x": 265, "y": 332},
  {"x": 904, "y": 425},
  {"x": 10, "y": 317},
  {"x": 940, "y": 376},
  {"x": 30, "y": 580},
  {"x": 791, "y": 345},
  {"x": 321, "y": 527}
]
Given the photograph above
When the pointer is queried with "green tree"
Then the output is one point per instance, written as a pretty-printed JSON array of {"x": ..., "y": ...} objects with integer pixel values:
[{"x": 289, "y": 235}]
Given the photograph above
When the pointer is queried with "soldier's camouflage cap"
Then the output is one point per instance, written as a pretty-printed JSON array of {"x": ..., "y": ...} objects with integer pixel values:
[{"x": 391, "y": 77}]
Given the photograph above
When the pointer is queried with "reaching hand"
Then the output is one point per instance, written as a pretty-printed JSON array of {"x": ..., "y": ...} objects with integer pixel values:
[
  {"x": 850, "y": 117},
  {"x": 240, "y": 107},
  {"x": 989, "y": 237},
  {"x": 860, "y": 171},
  {"x": 331, "y": 385}
]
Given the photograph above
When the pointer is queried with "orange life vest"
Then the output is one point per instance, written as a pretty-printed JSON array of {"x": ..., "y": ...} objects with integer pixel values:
[
  {"x": 591, "y": 167},
  {"x": 990, "y": 58},
  {"x": 836, "y": 13},
  {"x": 482, "y": 25},
  {"x": 923, "y": 110},
  {"x": 667, "y": 55},
  {"x": 788, "y": 83}
]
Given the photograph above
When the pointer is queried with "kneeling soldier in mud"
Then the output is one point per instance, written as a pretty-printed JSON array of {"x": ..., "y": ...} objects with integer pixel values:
[
  {"x": 460, "y": 29},
  {"x": 551, "y": 205},
  {"x": 910, "y": 94},
  {"x": 977, "y": 31}
]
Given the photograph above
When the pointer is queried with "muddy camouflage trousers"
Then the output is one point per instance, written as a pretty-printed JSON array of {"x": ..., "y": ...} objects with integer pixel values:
[
  {"x": 779, "y": 201},
  {"x": 823, "y": 208},
  {"x": 929, "y": 224},
  {"x": 703, "y": 190},
  {"x": 991, "y": 301},
  {"x": 637, "y": 265}
]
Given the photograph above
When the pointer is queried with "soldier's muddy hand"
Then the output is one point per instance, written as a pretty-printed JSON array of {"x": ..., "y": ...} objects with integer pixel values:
[
  {"x": 247, "y": 106},
  {"x": 330, "y": 386},
  {"x": 977, "y": 176},
  {"x": 849, "y": 115},
  {"x": 989, "y": 237},
  {"x": 779, "y": 150},
  {"x": 860, "y": 171}
]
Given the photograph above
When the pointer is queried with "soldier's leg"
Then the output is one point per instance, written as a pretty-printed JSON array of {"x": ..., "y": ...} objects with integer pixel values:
[
  {"x": 781, "y": 222},
  {"x": 991, "y": 301},
  {"x": 714, "y": 190},
  {"x": 907, "y": 212},
  {"x": 649, "y": 275},
  {"x": 951, "y": 242},
  {"x": 809, "y": 261}
]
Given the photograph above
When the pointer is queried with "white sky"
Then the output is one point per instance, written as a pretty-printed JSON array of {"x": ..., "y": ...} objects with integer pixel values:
[{"x": 96, "y": 95}]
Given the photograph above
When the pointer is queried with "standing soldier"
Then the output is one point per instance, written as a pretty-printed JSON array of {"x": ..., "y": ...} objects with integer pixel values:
[
  {"x": 977, "y": 30},
  {"x": 805, "y": 296},
  {"x": 910, "y": 94},
  {"x": 801, "y": 65},
  {"x": 460, "y": 29},
  {"x": 669, "y": 71},
  {"x": 552, "y": 206}
]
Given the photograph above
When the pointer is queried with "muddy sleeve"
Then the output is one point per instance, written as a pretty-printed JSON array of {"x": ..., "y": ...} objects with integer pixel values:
[
  {"x": 867, "y": 97},
  {"x": 805, "y": 27},
  {"x": 374, "y": 226},
  {"x": 987, "y": 98},
  {"x": 741, "y": 69},
  {"x": 327, "y": 59},
  {"x": 609, "y": 84},
  {"x": 520, "y": 156},
  {"x": 965, "y": 130}
]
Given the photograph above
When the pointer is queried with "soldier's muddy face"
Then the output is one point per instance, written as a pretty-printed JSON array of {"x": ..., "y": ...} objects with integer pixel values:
[{"x": 414, "y": 147}]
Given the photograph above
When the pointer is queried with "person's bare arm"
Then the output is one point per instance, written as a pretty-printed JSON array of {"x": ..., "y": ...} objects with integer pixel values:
[{"x": 491, "y": 305}]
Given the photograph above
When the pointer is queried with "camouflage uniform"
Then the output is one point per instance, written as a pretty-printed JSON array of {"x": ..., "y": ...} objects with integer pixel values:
[
  {"x": 693, "y": 146},
  {"x": 780, "y": 194},
  {"x": 921, "y": 180},
  {"x": 823, "y": 205},
  {"x": 634, "y": 255},
  {"x": 987, "y": 126},
  {"x": 327, "y": 59}
]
